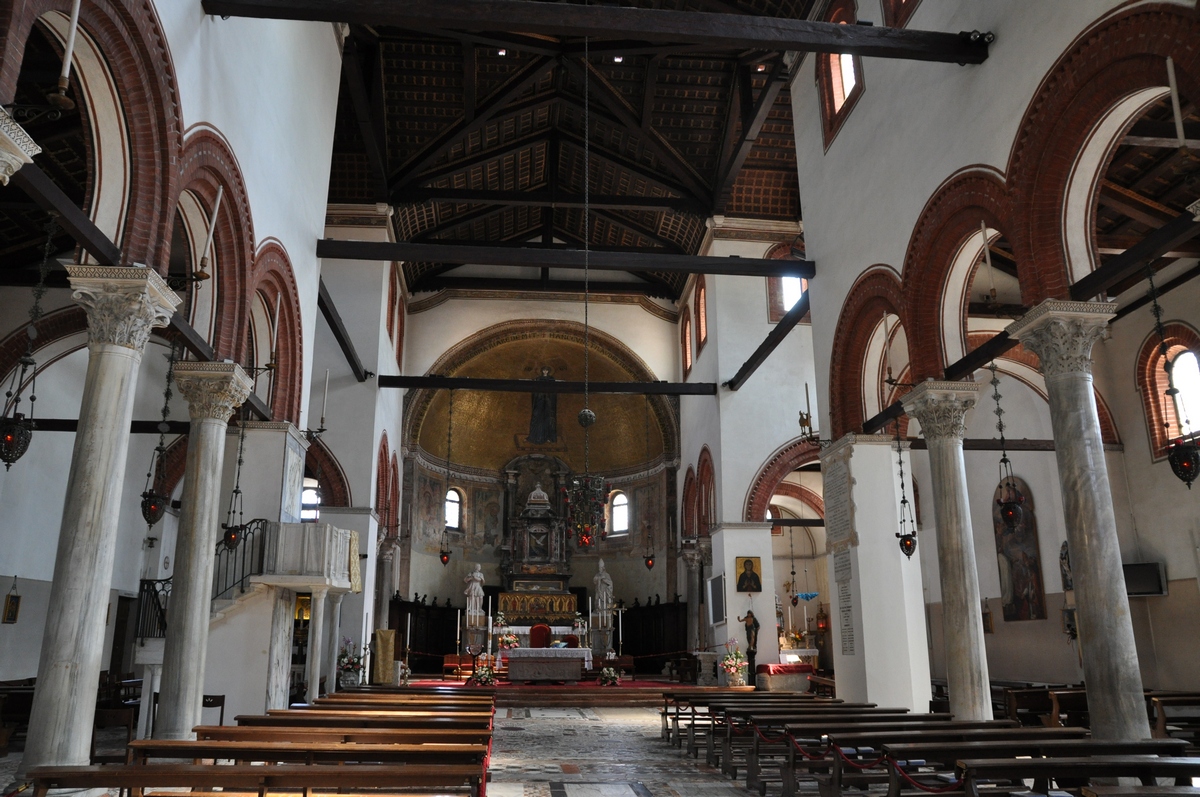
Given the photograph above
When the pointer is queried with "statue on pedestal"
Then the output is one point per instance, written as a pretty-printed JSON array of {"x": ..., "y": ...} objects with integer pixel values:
[
  {"x": 604, "y": 593},
  {"x": 474, "y": 593}
]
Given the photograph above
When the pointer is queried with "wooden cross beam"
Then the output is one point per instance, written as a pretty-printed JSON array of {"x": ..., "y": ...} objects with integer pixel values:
[
  {"x": 540, "y": 257},
  {"x": 334, "y": 319},
  {"x": 774, "y": 338},
  {"x": 703, "y": 29},
  {"x": 548, "y": 386},
  {"x": 546, "y": 198}
]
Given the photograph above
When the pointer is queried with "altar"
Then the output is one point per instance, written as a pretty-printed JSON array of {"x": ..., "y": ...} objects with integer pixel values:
[{"x": 547, "y": 664}]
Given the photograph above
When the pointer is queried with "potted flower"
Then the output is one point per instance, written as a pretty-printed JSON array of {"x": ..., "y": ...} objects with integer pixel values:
[
  {"x": 349, "y": 664},
  {"x": 734, "y": 664},
  {"x": 609, "y": 676},
  {"x": 508, "y": 640},
  {"x": 577, "y": 623},
  {"x": 484, "y": 675},
  {"x": 498, "y": 620}
]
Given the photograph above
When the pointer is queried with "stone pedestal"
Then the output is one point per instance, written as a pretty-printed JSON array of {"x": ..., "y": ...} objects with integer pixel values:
[
  {"x": 941, "y": 408},
  {"x": 1061, "y": 334},
  {"x": 213, "y": 391},
  {"x": 877, "y": 605},
  {"x": 123, "y": 304},
  {"x": 706, "y": 663}
]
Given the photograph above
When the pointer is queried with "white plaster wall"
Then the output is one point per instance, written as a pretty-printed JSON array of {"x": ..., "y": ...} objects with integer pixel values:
[
  {"x": 237, "y": 659},
  {"x": 730, "y": 541}
]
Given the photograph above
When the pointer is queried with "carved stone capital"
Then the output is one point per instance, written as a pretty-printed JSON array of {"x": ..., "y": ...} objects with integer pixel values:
[
  {"x": 213, "y": 390},
  {"x": 123, "y": 303},
  {"x": 1062, "y": 334},
  {"x": 16, "y": 147},
  {"x": 1194, "y": 209},
  {"x": 693, "y": 558},
  {"x": 941, "y": 408}
]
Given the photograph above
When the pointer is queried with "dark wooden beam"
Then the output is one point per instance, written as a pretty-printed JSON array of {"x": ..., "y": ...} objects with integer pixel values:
[
  {"x": 493, "y": 105},
  {"x": 1161, "y": 134},
  {"x": 706, "y": 30},
  {"x": 883, "y": 418},
  {"x": 774, "y": 338},
  {"x": 42, "y": 190},
  {"x": 1134, "y": 205},
  {"x": 469, "y": 80},
  {"x": 649, "y": 87},
  {"x": 548, "y": 197},
  {"x": 446, "y": 169},
  {"x": 457, "y": 221},
  {"x": 992, "y": 444},
  {"x": 1117, "y": 244},
  {"x": 545, "y": 386},
  {"x": 334, "y": 319},
  {"x": 540, "y": 286},
  {"x": 198, "y": 347},
  {"x": 541, "y": 257},
  {"x": 352, "y": 73},
  {"x": 136, "y": 427},
  {"x": 797, "y": 521},
  {"x": 638, "y": 229},
  {"x": 633, "y": 167},
  {"x": 1165, "y": 288},
  {"x": 751, "y": 127},
  {"x": 1181, "y": 229}
]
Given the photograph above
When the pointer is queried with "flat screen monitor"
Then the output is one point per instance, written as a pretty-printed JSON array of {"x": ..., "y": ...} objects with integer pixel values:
[
  {"x": 1144, "y": 579},
  {"x": 716, "y": 599}
]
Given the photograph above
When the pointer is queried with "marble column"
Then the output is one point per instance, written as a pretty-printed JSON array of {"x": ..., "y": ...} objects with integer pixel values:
[
  {"x": 123, "y": 305},
  {"x": 316, "y": 623},
  {"x": 213, "y": 391},
  {"x": 335, "y": 633},
  {"x": 941, "y": 408},
  {"x": 1061, "y": 334},
  {"x": 692, "y": 559}
]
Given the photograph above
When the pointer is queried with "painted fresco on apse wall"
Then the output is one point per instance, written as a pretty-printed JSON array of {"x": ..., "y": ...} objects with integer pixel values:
[
  {"x": 1022, "y": 593},
  {"x": 429, "y": 522},
  {"x": 488, "y": 517}
]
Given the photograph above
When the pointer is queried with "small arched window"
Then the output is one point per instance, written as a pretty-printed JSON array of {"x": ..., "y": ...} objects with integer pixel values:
[
  {"x": 839, "y": 76},
  {"x": 685, "y": 341},
  {"x": 701, "y": 314},
  {"x": 310, "y": 501},
  {"x": 453, "y": 509},
  {"x": 1170, "y": 417},
  {"x": 618, "y": 514}
]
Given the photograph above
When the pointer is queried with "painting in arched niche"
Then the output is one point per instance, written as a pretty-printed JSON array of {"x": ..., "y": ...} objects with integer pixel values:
[{"x": 1022, "y": 593}]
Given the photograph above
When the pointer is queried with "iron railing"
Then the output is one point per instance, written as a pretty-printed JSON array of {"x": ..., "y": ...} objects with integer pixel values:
[
  {"x": 235, "y": 564},
  {"x": 153, "y": 597}
]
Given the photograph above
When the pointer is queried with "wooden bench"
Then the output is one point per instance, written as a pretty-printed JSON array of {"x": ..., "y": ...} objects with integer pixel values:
[
  {"x": 1072, "y": 771},
  {"x": 368, "y": 719},
  {"x": 258, "y": 779},
  {"x": 308, "y": 752},
  {"x": 1179, "y": 727},
  {"x": 304, "y": 735},
  {"x": 1141, "y": 791},
  {"x": 820, "y": 685},
  {"x": 700, "y": 727}
]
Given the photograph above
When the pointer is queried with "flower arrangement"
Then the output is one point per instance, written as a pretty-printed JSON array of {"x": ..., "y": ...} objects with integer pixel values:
[
  {"x": 483, "y": 676},
  {"x": 349, "y": 659},
  {"x": 734, "y": 661},
  {"x": 405, "y": 674},
  {"x": 498, "y": 620},
  {"x": 578, "y": 621},
  {"x": 609, "y": 676},
  {"x": 508, "y": 641}
]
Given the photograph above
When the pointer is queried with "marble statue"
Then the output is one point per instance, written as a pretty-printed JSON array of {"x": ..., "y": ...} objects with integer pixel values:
[
  {"x": 604, "y": 591},
  {"x": 474, "y": 591}
]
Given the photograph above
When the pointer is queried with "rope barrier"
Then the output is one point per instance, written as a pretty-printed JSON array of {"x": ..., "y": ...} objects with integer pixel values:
[
  {"x": 807, "y": 754},
  {"x": 855, "y": 764},
  {"x": 768, "y": 739},
  {"x": 892, "y": 762}
]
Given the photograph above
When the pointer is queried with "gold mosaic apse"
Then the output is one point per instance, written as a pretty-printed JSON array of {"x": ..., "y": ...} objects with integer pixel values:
[{"x": 491, "y": 428}]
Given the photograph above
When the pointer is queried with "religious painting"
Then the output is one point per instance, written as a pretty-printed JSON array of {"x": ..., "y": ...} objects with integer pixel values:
[
  {"x": 539, "y": 542},
  {"x": 749, "y": 573},
  {"x": 543, "y": 417},
  {"x": 12, "y": 607},
  {"x": 488, "y": 517},
  {"x": 646, "y": 509},
  {"x": 431, "y": 501},
  {"x": 1022, "y": 593}
]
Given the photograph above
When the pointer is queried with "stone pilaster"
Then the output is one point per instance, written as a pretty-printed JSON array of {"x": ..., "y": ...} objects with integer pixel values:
[
  {"x": 316, "y": 630},
  {"x": 941, "y": 409},
  {"x": 335, "y": 641},
  {"x": 123, "y": 305},
  {"x": 1062, "y": 334},
  {"x": 213, "y": 391}
]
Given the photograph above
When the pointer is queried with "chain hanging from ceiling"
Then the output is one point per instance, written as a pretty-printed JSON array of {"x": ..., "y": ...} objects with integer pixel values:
[
  {"x": 907, "y": 535},
  {"x": 649, "y": 558},
  {"x": 1011, "y": 500},
  {"x": 235, "y": 531},
  {"x": 16, "y": 430},
  {"x": 587, "y": 495},
  {"x": 444, "y": 552},
  {"x": 154, "y": 497},
  {"x": 1182, "y": 453}
]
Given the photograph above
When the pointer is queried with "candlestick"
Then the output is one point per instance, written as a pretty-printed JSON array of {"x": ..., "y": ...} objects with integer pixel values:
[
  {"x": 791, "y": 625},
  {"x": 457, "y": 627},
  {"x": 806, "y": 618},
  {"x": 407, "y": 638},
  {"x": 325, "y": 399}
]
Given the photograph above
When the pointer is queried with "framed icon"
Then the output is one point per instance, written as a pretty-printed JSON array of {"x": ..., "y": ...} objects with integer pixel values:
[
  {"x": 749, "y": 573},
  {"x": 12, "y": 607}
]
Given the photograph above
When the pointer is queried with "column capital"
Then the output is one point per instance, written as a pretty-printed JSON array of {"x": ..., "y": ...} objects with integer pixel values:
[
  {"x": 1062, "y": 334},
  {"x": 16, "y": 147},
  {"x": 123, "y": 303},
  {"x": 693, "y": 558},
  {"x": 213, "y": 390},
  {"x": 941, "y": 407}
]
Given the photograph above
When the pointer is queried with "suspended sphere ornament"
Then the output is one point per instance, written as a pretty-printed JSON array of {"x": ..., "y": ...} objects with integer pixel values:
[
  {"x": 1185, "y": 460},
  {"x": 154, "y": 506},
  {"x": 649, "y": 562},
  {"x": 586, "y": 417},
  {"x": 233, "y": 536},
  {"x": 1011, "y": 512},
  {"x": 15, "y": 434},
  {"x": 445, "y": 557},
  {"x": 908, "y": 544}
]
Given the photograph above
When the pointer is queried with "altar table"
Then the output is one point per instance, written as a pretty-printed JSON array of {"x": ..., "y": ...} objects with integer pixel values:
[{"x": 547, "y": 664}]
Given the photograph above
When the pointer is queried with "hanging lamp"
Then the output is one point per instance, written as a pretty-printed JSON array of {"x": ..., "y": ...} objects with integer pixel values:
[
  {"x": 1183, "y": 453},
  {"x": 154, "y": 498},
  {"x": 16, "y": 430},
  {"x": 587, "y": 495},
  {"x": 234, "y": 532},
  {"x": 1011, "y": 499},
  {"x": 908, "y": 526}
]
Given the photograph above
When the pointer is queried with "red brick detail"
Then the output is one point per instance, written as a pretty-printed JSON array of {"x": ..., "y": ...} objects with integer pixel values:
[
  {"x": 701, "y": 312},
  {"x": 950, "y": 216},
  {"x": 394, "y": 497},
  {"x": 686, "y": 353},
  {"x": 1108, "y": 429},
  {"x": 876, "y": 292},
  {"x": 53, "y": 326},
  {"x": 169, "y": 471},
  {"x": 274, "y": 277},
  {"x": 207, "y": 164},
  {"x": 1162, "y": 421},
  {"x": 1116, "y": 57},
  {"x": 706, "y": 493},
  {"x": 384, "y": 507},
  {"x": 689, "y": 504},
  {"x": 335, "y": 488},
  {"x": 897, "y": 12},
  {"x": 130, "y": 36},
  {"x": 771, "y": 476},
  {"x": 801, "y": 493},
  {"x": 832, "y": 117}
]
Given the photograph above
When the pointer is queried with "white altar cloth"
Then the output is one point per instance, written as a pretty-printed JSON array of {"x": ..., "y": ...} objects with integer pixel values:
[{"x": 585, "y": 654}]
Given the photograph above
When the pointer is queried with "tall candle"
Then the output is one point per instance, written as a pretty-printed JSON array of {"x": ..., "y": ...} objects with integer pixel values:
[
  {"x": 621, "y": 626},
  {"x": 325, "y": 399},
  {"x": 489, "y": 628},
  {"x": 407, "y": 638},
  {"x": 791, "y": 625},
  {"x": 457, "y": 626},
  {"x": 806, "y": 618}
]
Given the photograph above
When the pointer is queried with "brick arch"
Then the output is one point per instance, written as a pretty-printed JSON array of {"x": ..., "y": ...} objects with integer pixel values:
[
  {"x": 383, "y": 507},
  {"x": 706, "y": 493},
  {"x": 689, "y": 504},
  {"x": 394, "y": 494},
  {"x": 335, "y": 487},
  {"x": 273, "y": 277},
  {"x": 1118, "y": 56},
  {"x": 208, "y": 163},
  {"x": 876, "y": 292},
  {"x": 950, "y": 216},
  {"x": 785, "y": 460},
  {"x": 1151, "y": 380},
  {"x": 51, "y": 327},
  {"x": 131, "y": 38},
  {"x": 808, "y": 497},
  {"x": 169, "y": 470}
]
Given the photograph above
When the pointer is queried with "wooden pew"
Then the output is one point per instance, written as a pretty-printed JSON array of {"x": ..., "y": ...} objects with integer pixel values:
[
  {"x": 698, "y": 707},
  {"x": 822, "y": 686},
  {"x": 1180, "y": 727},
  {"x": 368, "y": 719},
  {"x": 308, "y": 752},
  {"x": 699, "y": 727},
  {"x": 1072, "y": 770},
  {"x": 304, "y": 735},
  {"x": 942, "y": 756},
  {"x": 258, "y": 779},
  {"x": 676, "y": 700}
]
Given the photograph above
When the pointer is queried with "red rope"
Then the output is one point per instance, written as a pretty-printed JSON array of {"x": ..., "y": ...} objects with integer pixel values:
[
  {"x": 805, "y": 753},
  {"x": 931, "y": 789},
  {"x": 768, "y": 739},
  {"x": 857, "y": 765}
]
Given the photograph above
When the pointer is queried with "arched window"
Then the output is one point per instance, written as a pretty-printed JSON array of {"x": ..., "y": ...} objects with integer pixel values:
[
  {"x": 897, "y": 12},
  {"x": 706, "y": 493},
  {"x": 685, "y": 341},
  {"x": 310, "y": 501},
  {"x": 701, "y": 314},
  {"x": 839, "y": 76},
  {"x": 689, "y": 504},
  {"x": 618, "y": 514},
  {"x": 453, "y": 509},
  {"x": 1164, "y": 415}
]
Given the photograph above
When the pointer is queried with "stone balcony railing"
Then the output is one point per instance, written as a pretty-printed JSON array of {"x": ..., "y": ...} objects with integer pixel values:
[{"x": 306, "y": 555}]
